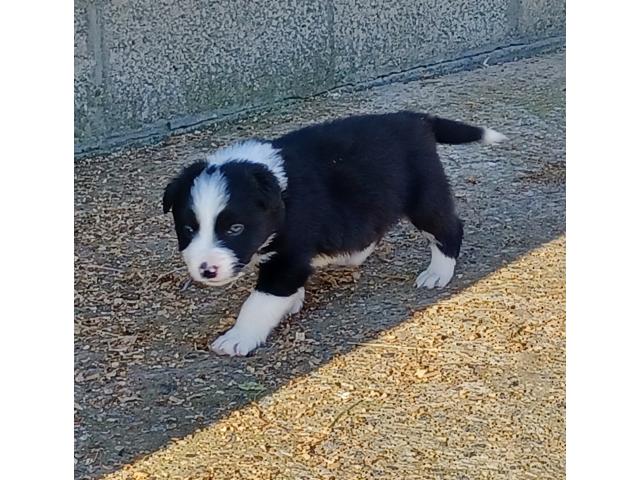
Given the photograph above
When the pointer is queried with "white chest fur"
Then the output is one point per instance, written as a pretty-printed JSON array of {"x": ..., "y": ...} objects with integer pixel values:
[{"x": 353, "y": 259}]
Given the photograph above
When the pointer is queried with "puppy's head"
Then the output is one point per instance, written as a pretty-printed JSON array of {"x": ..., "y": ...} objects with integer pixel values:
[{"x": 223, "y": 214}]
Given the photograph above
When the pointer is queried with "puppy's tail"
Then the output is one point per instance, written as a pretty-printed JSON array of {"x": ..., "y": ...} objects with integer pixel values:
[{"x": 454, "y": 133}]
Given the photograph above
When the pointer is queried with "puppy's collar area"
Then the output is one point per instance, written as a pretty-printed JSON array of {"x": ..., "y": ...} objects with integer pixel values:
[
  {"x": 266, "y": 250},
  {"x": 254, "y": 151}
]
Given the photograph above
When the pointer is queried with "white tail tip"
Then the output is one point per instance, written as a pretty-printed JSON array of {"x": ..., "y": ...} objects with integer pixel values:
[{"x": 490, "y": 136}]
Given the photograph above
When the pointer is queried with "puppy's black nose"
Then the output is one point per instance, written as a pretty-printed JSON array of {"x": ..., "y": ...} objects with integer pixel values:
[{"x": 208, "y": 271}]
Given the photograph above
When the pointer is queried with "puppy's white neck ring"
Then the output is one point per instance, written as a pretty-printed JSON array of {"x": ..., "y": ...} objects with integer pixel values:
[{"x": 254, "y": 151}]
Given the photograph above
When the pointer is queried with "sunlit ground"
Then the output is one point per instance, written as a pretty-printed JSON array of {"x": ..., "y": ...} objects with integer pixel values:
[{"x": 471, "y": 387}]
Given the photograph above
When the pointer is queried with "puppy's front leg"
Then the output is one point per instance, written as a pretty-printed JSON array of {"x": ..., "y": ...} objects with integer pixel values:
[
  {"x": 265, "y": 308},
  {"x": 260, "y": 314}
]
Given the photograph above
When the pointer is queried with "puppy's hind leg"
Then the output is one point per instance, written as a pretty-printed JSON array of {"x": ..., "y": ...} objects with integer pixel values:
[{"x": 445, "y": 231}]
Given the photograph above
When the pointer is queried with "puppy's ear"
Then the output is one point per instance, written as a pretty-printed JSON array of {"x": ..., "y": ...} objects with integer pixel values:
[
  {"x": 169, "y": 196},
  {"x": 180, "y": 185},
  {"x": 270, "y": 195}
]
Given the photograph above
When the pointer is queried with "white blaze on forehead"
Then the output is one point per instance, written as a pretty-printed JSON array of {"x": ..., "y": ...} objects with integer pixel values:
[
  {"x": 209, "y": 197},
  {"x": 253, "y": 151}
]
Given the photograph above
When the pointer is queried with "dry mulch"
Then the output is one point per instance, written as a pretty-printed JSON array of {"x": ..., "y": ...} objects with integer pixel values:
[{"x": 472, "y": 387}]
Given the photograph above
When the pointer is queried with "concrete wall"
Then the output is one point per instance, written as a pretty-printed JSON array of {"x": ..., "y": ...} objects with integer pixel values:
[{"x": 147, "y": 67}]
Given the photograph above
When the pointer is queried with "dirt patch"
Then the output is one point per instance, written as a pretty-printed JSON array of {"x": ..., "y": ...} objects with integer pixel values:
[{"x": 480, "y": 395}]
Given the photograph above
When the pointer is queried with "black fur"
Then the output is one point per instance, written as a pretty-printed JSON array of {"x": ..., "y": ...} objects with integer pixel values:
[
  {"x": 348, "y": 182},
  {"x": 255, "y": 200},
  {"x": 177, "y": 200},
  {"x": 454, "y": 133}
]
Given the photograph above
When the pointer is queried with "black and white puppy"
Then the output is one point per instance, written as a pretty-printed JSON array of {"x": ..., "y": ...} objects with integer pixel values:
[{"x": 324, "y": 194}]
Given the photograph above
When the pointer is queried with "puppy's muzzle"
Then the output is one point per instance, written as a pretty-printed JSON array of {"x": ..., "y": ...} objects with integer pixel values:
[{"x": 208, "y": 271}]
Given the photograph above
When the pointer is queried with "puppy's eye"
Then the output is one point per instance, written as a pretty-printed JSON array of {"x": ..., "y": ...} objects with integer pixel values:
[
  {"x": 189, "y": 230},
  {"x": 235, "y": 229}
]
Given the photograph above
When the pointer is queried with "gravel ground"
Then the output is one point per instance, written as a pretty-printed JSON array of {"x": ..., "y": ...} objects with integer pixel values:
[{"x": 467, "y": 382}]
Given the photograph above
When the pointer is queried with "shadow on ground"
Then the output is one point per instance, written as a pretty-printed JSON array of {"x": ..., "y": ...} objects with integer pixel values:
[{"x": 143, "y": 376}]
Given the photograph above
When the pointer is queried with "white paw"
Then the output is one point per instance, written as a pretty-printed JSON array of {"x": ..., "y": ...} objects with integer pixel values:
[
  {"x": 236, "y": 342},
  {"x": 431, "y": 279},
  {"x": 440, "y": 271},
  {"x": 297, "y": 303}
]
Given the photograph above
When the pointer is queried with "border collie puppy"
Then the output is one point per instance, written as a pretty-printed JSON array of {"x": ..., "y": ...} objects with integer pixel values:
[{"x": 324, "y": 194}]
